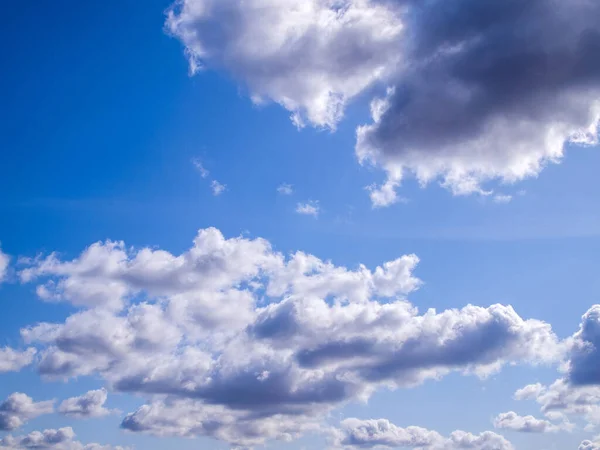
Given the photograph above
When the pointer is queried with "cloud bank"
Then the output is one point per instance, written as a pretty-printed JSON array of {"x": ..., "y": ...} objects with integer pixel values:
[{"x": 233, "y": 340}]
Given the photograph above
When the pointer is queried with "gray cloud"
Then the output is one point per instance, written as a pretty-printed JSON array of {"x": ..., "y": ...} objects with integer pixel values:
[
  {"x": 90, "y": 404},
  {"x": 13, "y": 360},
  {"x": 585, "y": 354},
  {"x": 490, "y": 90},
  {"x": 232, "y": 330},
  {"x": 478, "y": 92},
  {"x": 381, "y": 433},
  {"x": 60, "y": 439},
  {"x": 19, "y": 408},
  {"x": 526, "y": 424}
]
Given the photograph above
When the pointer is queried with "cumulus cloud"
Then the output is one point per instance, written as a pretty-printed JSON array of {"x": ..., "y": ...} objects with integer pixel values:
[
  {"x": 310, "y": 208},
  {"x": 60, "y": 439},
  {"x": 477, "y": 92},
  {"x": 19, "y": 408},
  {"x": 487, "y": 91},
  {"x": 585, "y": 354},
  {"x": 561, "y": 400},
  {"x": 237, "y": 333},
  {"x": 526, "y": 424},
  {"x": 13, "y": 360},
  {"x": 312, "y": 59},
  {"x": 381, "y": 433},
  {"x": 190, "y": 419},
  {"x": 90, "y": 404}
]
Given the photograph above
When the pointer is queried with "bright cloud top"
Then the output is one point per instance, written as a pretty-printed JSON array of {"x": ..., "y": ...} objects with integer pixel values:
[
  {"x": 233, "y": 340},
  {"x": 356, "y": 434},
  {"x": 477, "y": 91}
]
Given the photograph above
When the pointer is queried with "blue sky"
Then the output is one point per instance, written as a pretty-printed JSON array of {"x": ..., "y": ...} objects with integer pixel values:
[{"x": 108, "y": 136}]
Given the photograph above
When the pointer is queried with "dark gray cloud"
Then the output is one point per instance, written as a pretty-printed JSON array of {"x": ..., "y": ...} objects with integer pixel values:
[
  {"x": 585, "y": 354},
  {"x": 478, "y": 90},
  {"x": 489, "y": 90}
]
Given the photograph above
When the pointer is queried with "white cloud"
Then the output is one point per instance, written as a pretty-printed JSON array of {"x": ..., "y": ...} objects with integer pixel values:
[
  {"x": 285, "y": 189},
  {"x": 217, "y": 188},
  {"x": 4, "y": 262},
  {"x": 90, "y": 404},
  {"x": 61, "y": 439},
  {"x": 19, "y": 408},
  {"x": 493, "y": 94},
  {"x": 12, "y": 360},
  {"x": 384, "y": 195},
  {"x": 381, "y": 433},
  {"x": 204, "y": 173},
  {"x": 502, "y": 198},
  {"x": 560, "y": 400},
  {"x": 237, "y": 331},
  {"x": 526, "y": 424},
  {"x": 310, "y": 208},
  {"x": 314, "y": 56}
]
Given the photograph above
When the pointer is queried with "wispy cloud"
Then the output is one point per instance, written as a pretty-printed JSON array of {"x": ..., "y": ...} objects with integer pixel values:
[
  {"x": 204, "y": 173},
  {"x": 285, "y": 189},
  {"x": 310, "y": 208}
]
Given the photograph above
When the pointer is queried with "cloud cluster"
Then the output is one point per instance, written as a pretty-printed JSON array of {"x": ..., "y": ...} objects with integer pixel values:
[
  {"x": 61, "y": 439},
  {"x": 13, "y": 360},
  {"x": 90, "y": 404},
  {"x": 355, "y": 434},
  {"x": 19, "y": 408},
  {"x": 478, "y": 91},
  {"x": 526, "y": 424},
  {"x": 255, "y": 345}
]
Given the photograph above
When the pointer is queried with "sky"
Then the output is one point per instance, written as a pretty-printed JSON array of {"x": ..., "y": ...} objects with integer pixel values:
[{"x": 300, "y": 224}]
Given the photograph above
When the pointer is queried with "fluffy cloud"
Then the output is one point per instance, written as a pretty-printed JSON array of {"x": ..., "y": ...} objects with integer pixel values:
[
  {"x": 4, "y": 262},
  {"x": 488, "y": 91},
  {"x": 585, "y": 354},
  {"x": 235, "y": 333},
  {"x": 314, "y": 56},
  {"x": 560, "y": 400},
  {"x": 241, "y": 428},
  {"x": 61, "y": 439},
  {"x": 12, "y": 360},
  {"x": 478, "y": 92},
  {"x": 19, "y": 408},
  {"x": 526, "y": 424},
  {"x": 381, "y": 433},
  {"x": 90, "y": 404},
  {"x": 589, "y": 445}
]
